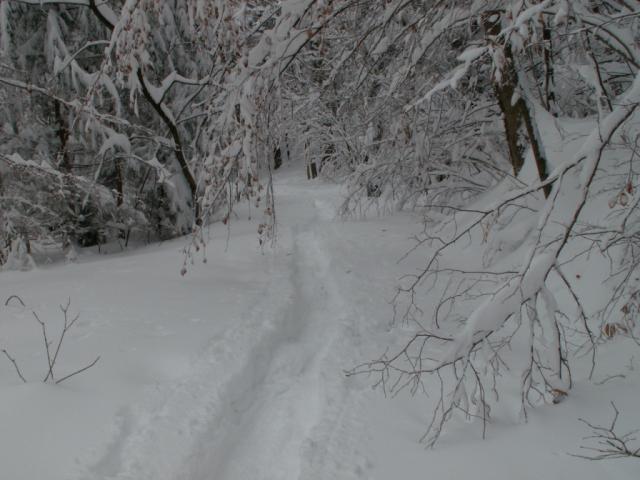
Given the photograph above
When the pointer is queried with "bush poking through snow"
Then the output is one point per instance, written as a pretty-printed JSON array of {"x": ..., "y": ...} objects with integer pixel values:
[{"x": 52, "y": 348}]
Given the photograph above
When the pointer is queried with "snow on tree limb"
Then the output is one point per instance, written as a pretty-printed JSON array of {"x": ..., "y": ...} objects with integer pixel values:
[{"x": 510, "y": 296}]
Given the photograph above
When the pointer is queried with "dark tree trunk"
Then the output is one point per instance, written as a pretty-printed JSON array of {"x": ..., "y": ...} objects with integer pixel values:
[
  {"x": 119, "y": 183},
  {"x": 536, "y": 147},
  {"x": 549, "y": 78},
  {"x": 63, "y": 136},
  {"x": 312, "y": 170},
  {"x": 504, "y": 91},
  {"x": 518, "y": 120},
  {"x": 277, "y": 158}
]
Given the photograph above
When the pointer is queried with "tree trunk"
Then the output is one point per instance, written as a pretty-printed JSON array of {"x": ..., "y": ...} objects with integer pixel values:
[
  {"x": 119, "y": 183},
  {"x": 536, "y": 145},
  {"x": 63, "y": 136},
  {"x": 515, "y": 111},
  {"x": 549, "y": 79},
  {"x": 504, "y": 91}
]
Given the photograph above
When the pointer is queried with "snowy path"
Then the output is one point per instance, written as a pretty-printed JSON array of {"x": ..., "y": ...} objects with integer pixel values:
[
  {"x": 291, "y": 383},
  {"x": 266, "y": 398},
  {"x": 236, "y": 371}
]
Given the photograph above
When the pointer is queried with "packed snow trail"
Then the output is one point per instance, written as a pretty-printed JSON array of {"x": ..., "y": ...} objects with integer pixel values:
[
  {"x": 296, "y": 379},
  {"x": 265, "y": 398}
]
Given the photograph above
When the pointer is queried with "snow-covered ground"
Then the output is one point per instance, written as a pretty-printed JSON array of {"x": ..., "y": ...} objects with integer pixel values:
[{"x": 237, "y": 370}]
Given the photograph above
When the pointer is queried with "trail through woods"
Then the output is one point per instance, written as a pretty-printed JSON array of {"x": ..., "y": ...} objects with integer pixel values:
[
  {"x": 236, "y": 371},
  {"x": 268, "y": 396}
]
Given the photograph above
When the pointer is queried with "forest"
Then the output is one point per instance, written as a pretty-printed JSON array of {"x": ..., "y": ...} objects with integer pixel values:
[{"x": 420, "y": 210}]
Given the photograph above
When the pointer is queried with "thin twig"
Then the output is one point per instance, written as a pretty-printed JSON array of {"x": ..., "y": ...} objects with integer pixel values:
[
  {"x": 6, "y": 304},
  {"x": 67, "y": 325},
  {"x": 46, "y": 346},
  {"x": 78, "y": 371},
  {"x": 15, "y": 365}
]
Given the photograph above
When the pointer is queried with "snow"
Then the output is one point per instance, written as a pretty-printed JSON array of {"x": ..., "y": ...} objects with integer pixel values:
[
  {"x": 493, "y": 312},
  {"x": 236, "y": 371},
  {"x": 159, "y": 93},
  {"x": 114, "y": 139}
]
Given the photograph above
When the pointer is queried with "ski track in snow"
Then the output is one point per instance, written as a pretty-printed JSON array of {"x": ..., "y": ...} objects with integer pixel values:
[{"x": 268, "y": 399}]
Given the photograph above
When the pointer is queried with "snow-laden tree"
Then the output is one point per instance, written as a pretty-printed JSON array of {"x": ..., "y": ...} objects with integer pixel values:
[
  {"x": 100, "y": 119},
  {"x": 160, "y": 112},
  {"x": 565, "y": 68}
]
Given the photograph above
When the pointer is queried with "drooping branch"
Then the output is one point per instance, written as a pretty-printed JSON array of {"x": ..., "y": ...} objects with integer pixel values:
[
  {"x": 609, "y": 442},
  {"x": 492, "y": 325}
]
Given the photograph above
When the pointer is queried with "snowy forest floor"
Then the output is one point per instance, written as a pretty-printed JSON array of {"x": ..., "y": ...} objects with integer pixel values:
[{"x": 236, "y": 371}]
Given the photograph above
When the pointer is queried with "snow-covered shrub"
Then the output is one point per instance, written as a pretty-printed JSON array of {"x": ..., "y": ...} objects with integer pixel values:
[{"x": 39, "y": 203}]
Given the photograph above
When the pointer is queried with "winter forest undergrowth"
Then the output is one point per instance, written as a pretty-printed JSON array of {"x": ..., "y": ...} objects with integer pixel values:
[{"x": 313, "y": 239}]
